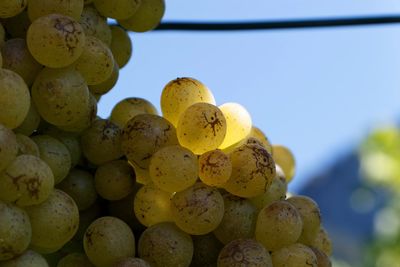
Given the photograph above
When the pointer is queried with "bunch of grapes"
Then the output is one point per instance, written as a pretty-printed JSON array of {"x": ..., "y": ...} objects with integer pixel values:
[{"x": 198, "y": 186}]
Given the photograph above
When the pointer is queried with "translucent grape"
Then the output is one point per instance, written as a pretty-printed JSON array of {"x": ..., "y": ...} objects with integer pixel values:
[
  {"x": 323, "y": 242},
  {"x": 114, "y": 180},
  {"x": 26, "y": 146},
  {"x": 18, "y": 25},
  {"x": 27, "y": 181},
  {"x": 121, "y": 45},
  {"x": 128, "y": 108},
  {"x": 15, "y": 231},
  {"x": 8, "y": 147},
  {"x": 75, "y": 260},
  {"x": 55, "y": 154},
  {"x": 55, "y": 40},
  {"x": 201, "y": 128},
  {"x": 285, "y": 159},
  {"x": 29, "y": 258},
  {"x": 94, "y": 24},
  {"x": 215, "y": 168},
  {"x": 278, "y": 225},
  {"x": 104, "y": 87},
  {"x": 198, "y": 210},
  {"x": 40, "y": 8},
  {"x": 117, "y": 9},
  {"x": 253, "y": 170},
  {"x": 108, "y": 240},
  {"x": 181, "y": 93},
  {"x": 31, "y": 122},
  {"x": 10, "y": 8},
  {"x": 322, "y": 259},
  {"x": 54, "y": 222},
  {"x": 296, "y": 255},
  {"x": 244, "y": 252},
  {"x": 173, "y": 168},
  {"x": 238, "y": 122},
  {"x": 14, "y": 99},
  {"x": 257, "y": 133},
  {"x": 131, "y": 262},
  {"x": 165, "y": 245},
  {"x": 206, "y": 250},
  {"x": 142, "y": 175}
]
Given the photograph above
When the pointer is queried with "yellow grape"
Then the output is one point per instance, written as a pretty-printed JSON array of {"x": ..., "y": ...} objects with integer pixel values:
[
  {"x": 40, "y": 8},
  {"x": 26, "y": 146},
  {"x": 259, "y": 135},
  {"x": 323, "y": 242},
  {"x": 322, "y": 259},
  {"x": 121, "y": 45},
  {"x": 8, "y": 147},
  {"x": 104, "y": 87},
  {"x": 132, "y": 262},
  {"x": 285, "y": 159},
  {"x": 18, "y": 25},
  {"x": 75, "y": 260},
  {"x": 142, "y": 175},
  {"x": 117, "y": 9},
  {"x": 295, "y": 255},
  {"x": 94, "y": 24},
  {"x": 215, "y": 168},
  {"x": 31, "y": 122},
  {"x": 28, "y": 258},
  {"x": 11, "y": 8},
  {"x": 206, "y": 250}
]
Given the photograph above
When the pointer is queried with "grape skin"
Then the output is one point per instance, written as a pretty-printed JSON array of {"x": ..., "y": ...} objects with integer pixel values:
[
  {"x": 121, "y": 45},
  {"x": 11, "y": 8},
  {"x": 28, "y": 258},
  {"x": 323, "y": 242},
  {"x": 285, "y": 159},
  {"x": 206, "y": 250},
  {"x": 295, "y": 255},
  {"x": 31, "y": 122},
  {"x": 132, "y": 262},
  {"x": 26, "y": 146},
  {"x": 75, "y": 260},
  {"x": 8, "y": 147},
  {"x": 117, "y": 9},
  {"x": 104, "y": 87},
  {"x": 215, "y": 168},
  {"x": 94, "y": 24},
  {"x": 40, "y": 8}
]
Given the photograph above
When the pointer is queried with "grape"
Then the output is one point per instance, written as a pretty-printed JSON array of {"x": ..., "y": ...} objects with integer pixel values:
[
  {"x": 310, "y": 215},
  {"x": 284, "y": 158},
  {"x": 143, "y": 135},
  {"x": 278, "y": 225},
  {"x": 215, "y": 168},
  {"x": 198, "y": 210},
  {"x": 16, "y": 57},
  {"x": 29, "y": 258},
  {"x": 238, "y": 123},
  {"x": 206, "y": 250},
  {"x": 10, "y": 8},
  {"x": 173, "y": 168},
  {"x": 18, "y": 25},
  {"x": 72, "y": 246},
  {"x": 121, "y": 45},
  {"x": 94, "y": 24},
  {"x": 152, "y": 205},
  {"x": 114, "y": 180},
  {"x": 131, "y": 262},
  {"x": 253, "y": 170},
  {"x": 15, "y": 231},
  {"x": 239, "y": 220},
  {"x": 8, "y": 147},
  {"x": 96, "y": 62},
  {"x": 102, "y": 142},
  {"x": 108, "y": 240},
  {"x": 40, "y": 8},
  {"x": 165, "y": 245},
  {"x": 117, "y": 9},
  {"x": 55, "y": 154},
  {"x": 75, "y": 260},
  {"x": 130, "y": 107},
  {"x": 27, "y": 181},
  {"x": 180, "y": 94},
  {"x": 60, "y": 95},
  {"x": 55, "y": 40},
  {"x": 201, "y": 128},
  {"x": 146, "y": 17},
  {"x": 26, "y": 146},
  {"x": 14, "y": 99},
  {"x": 31, "y": 122},
  {"x": 244, "y": 252},
  {"x": 323, "y": 242},
  {"x": 79, "y": 185},
  {"x": 295, "y": 255},
  {"x": 142, "y": 175},
  {"x": 54, "y": 222},
  {"x": 86, "y": 217},
  {"x": 322, "y": 259},
  {"x": 259, "y": 135},
  {"x": 104, "y": 87}
]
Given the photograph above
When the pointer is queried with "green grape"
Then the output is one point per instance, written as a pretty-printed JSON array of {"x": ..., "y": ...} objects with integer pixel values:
[
  {"x": 108, "y": 240},
  {"x": 102, "y": 142},
  {"x": 60, "y": 95},
  {"x": 206, "y": 250},
  {"x": 96, "y": 62},
  {"x": 11, "y": 8},
  {"x": 94, "y": 24},
  {"x": 131, "y": 262},
  {"x": 146, "y": 17},
  {"x": 142, "y": 175},
  {"x": 26, "y": 146},
  {"x": 239, "y": 220},
  {"x": 198, "y": 210},
  {"x": 173, "y": 168},
  {"x": 295, "y": 255},
  {"x": 253, "y": 170},
  {"x": 86, "y": 217},
  {"x": 55, "y": 154},
  {"x": 75, "y": 260},
  {"x": 181, "y": 93},
  {"x": 215, "y": 168},
  {"x": 322, "y": 259},
  {"x": 16, "y": 57},
  {"x": 72, "y": 246},
  {"x": 128, "y": 108},
  {"x": 27, "y": 181},
  {"x": 165, "y": 245},
  {"x": 31, "y": 122},
  {"x": 79, "y": 185},
  {"x": 104, "y": 87},
  {"x": 117, "y": 9},
  {"x": 15, "y": 231},
  {"x": 259, "y": 135},
  {"x": 277, "y": 191},
  {"x": 121, "y": 45},
  {"x": 40, "y": 8},
  {"x": 114, "y": 180},
  {"x": 14, "y": 100},
  {"x": 201, "y": 128},
  {"x": 143, "y": 135},
  {"x": 54, "y": 222},
  {"x": 152, "y": 205},
  {"x": 310, "y": 215},
  {"x": 278, "y": 225},
  {"x": 29, "y": 258},
  {"x": 284, "y": 158},
  {"x": 244, "y": 252},
  {"x": 8, "y": 147},
  {"x": 323, "y": 242},
  {"x": 55, "y": 40},
  {"x": 17, "y": 26},
  {"x": 238, "y": 123}
]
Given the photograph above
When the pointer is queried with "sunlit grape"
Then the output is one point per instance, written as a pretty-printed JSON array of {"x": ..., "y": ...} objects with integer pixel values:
[
  {"x": 296, "y": 255},
  {"x": 39, "y": 8},
  {"x": 121, "y": 45},
  {"x": 117, "y": 9},
  {"x": 285, "y": 159},
  {"x": 215, "y": 168}
]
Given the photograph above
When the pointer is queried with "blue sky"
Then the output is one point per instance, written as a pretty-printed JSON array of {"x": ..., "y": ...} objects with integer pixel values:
[{"x": 316, "y": 91}]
